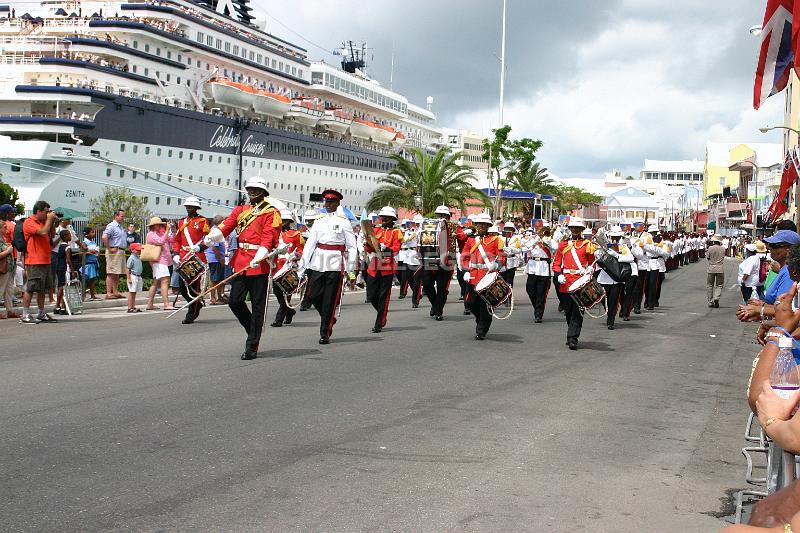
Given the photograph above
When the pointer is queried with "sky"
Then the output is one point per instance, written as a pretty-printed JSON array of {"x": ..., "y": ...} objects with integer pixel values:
[{"x": 605, "y": 84}]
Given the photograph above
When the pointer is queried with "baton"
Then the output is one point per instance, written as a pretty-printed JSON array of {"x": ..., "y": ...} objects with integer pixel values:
[{"x": 203, "y": 293}]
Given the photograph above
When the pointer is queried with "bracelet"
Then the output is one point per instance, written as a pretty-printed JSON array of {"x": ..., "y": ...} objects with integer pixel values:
[
  {"x": 773, "y": 342},
  {"x": 774, "y": 334},
  {"x": 769, "y": 422},
  {"x": 762, "y": 311},
  {"x": 787, "y": 528},
  {"x": 784, "y": 331}
]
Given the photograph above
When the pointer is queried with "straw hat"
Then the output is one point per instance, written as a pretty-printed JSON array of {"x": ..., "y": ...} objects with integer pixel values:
[
  {"x": 155, "y": 221},
  {"x": 761, "y": 248}
]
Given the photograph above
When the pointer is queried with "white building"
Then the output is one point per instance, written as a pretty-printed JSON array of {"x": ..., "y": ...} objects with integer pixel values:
[
  {"x": 673, "y": 172},
  {"x": 630, "y": 203}
]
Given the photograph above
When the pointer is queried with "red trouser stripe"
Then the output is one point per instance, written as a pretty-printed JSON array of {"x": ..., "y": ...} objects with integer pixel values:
[
  {"x": 386, "y": 306},
  {"x": 336, "y": 302}
]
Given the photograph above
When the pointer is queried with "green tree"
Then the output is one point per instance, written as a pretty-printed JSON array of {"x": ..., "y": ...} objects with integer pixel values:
[
  {"x": 568, "y": 198},
  {"x": 102, "y": 207},
  {"x": 437, "y": 178},
  {"x": 534, "y": 179},
  {"x": 510, "y": 157},
  {"x": 10, "y": 195}
]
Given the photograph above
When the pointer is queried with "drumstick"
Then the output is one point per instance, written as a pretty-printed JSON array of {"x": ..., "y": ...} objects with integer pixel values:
[{"x": 203, "y": 293}]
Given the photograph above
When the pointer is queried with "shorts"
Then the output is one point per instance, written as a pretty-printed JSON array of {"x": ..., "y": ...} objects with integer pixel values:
[
  {"x": 115, "y": 263},
  {"x": 135, "y": 283},
  {"x": 159, "y": 270},
  {"x": 40, "y": 278},
  {"x": 216, "y": 271},
  {"x": 61, "y": 277}
]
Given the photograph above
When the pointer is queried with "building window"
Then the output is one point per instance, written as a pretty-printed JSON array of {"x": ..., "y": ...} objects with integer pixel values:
[
  {"x": 122, "y": 147},
  {"x": 158, "y": 200},
  {"x": 108, "y": 172},
  {"x": 121, "y": 173}
]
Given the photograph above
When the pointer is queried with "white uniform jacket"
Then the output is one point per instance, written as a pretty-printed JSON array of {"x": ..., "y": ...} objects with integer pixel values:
[{"x": 330, "y": 229}]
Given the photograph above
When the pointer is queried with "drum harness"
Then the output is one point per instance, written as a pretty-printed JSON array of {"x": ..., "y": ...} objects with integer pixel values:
[
  {"x": 488, "y": 265},
  {"x": 185, "y": 229},
  {"x": 587, "y": 269}
]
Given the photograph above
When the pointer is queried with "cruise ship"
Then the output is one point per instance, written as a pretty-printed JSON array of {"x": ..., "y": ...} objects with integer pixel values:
[{"x": 181, "y": 97}]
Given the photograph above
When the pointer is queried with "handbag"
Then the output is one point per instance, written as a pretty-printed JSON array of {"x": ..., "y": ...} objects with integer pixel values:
[
  {"x": 150, "y": 252},
  {"x": 619, "y": 272},
  {"x": 4, "y": 262}
]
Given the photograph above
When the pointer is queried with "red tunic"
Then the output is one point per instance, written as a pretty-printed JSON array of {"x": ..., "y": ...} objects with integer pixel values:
[
  {"x": 295, "y": 241},
  {"x": 492, "y": 246},
  {"x": 197, "y": 227},
  {"x": 393, "y": 239},
  {"x": 263, "y": 231},
  {"x": 564, "y": 262}
]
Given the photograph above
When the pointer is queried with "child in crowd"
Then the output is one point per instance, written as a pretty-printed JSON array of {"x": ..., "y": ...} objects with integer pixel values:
[
  {"x": 63, "y": 266},
  {"x": 91, "y": 267},
  {"x": 134, "y": 276}
]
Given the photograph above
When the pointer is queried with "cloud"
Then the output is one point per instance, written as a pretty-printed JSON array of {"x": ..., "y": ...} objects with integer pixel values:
[{"x": 603, "y": 84}]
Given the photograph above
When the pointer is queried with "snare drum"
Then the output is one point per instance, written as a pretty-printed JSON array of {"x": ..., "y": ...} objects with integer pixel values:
[
  {"x": 586, "y": 291},
  {"x": 493, "y": 289},
  {"x": 287, "y": 279},
  {"x": 191, "y": 269}
]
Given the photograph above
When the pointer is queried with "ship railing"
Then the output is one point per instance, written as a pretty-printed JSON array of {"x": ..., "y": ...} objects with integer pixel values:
[{"x": 19, "y": 60}]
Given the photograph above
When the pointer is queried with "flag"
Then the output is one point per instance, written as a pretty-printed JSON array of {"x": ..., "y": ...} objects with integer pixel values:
[
  {"x": 776, "y": 58},
  {"x": 780, "y": 204}
]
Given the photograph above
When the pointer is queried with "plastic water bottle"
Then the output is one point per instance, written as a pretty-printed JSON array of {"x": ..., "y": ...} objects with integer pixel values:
[{"x": 785, "y": 375}]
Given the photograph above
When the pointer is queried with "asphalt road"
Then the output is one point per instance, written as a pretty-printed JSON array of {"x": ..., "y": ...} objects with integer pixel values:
[{"x": 134, "y": 422}]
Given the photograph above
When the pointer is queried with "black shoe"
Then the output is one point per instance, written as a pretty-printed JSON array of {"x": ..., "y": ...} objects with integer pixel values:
[
  {"x": 431, "y": 313},
  {"x": 711, "y": 304},
  {"x": 276, "y": 324},
  {"x": 304, "y": 308},
  {"x": 716, "y": 304},
  {"x": 460, "y": 298},
  {"x": 376, "y": 329},
  {"x": 651, "y": 309},
  {"x": 401, "y": 296},
  {"x": 537, "y": 320},
  {"x": 611, "y": 326},
  {"x": 637, "y": 311},
  {"x": 414, "y": 306},
  {"x": 626, "y": 319},
  {"x": 324, "y": 340},
  {"x": 467, "y": 312},
  {"x": 249, "y": 354},
  {"x": 187, "y": 321},
  {"x": 289, "y": 316},
  {"x": 480, "y": 337},
  {"x": 439, "y": 318},
  {"x": 573, "y": 344}
]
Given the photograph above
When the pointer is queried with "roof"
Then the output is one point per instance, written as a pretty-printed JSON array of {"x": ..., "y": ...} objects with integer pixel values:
[
  {"x": 509, "y": 194},
  {"x": 767, "y": 154},
  {"x": 631, "y": 197},
  {"x": 654, "y": 165}
]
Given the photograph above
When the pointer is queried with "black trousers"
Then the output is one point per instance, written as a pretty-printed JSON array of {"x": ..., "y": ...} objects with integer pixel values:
[
  {"x": 400, "y": 273},
  {"x": 323, "y": 289},
  {"x": 283, "y": 308},
  {"x": 404, "y": 273},
  {"x": 463, "y": 285},
  {"x": 641, "y": 289},
  {"x": 537, "y": 288},
  {"x": 651, "y": 293},
  {"x": 415, "y": 282},
  {"x": 436, "y": 282},
  {"x": 188, "y": 293},
  {"x": 251, "y": 321},
  {"x": 573, "y": 315},
  {"x": 480, "y": 310},
  {"x": 508, "y": 275},
  {"x": 661, "y": 278},
  {"x": 379, "y": 292},
  {"x": 629, "y": 296},
  {"x": 305, "y": 303},
  {"x": 613, "y": 298}
]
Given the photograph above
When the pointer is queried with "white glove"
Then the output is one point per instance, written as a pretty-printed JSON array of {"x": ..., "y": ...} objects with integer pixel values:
[
  {"x": 612, "y": 253},
  {"x": 466, "y": 276},
  {"x": 468, "y": 232},
  {"x": 383, "y": 247},
  {"x": 261, "y": 253},
  {"x": 561, "y": 278},
  {"x": 176, "y": 259},
  {"x": 494, "y": 265},
  {"x": 301, "y": 272},
  {"x": 195, "y": 248},
  {"x": 215, "y": 235}
]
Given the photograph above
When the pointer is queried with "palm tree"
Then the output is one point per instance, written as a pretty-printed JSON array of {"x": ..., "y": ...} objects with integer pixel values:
[
  {"x": 436, "y": 177},
  {"x": 533, "y": 179}
]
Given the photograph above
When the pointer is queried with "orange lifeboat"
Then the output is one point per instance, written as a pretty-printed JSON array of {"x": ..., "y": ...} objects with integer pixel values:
[
  {"x": 271, "y": 104},
  {"x": 232, "y": 94}
]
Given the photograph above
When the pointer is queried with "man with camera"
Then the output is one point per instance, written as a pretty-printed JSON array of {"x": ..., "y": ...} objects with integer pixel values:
[
  {"x": 115, "y": 239},
  {"x": 36, "y": 230}
]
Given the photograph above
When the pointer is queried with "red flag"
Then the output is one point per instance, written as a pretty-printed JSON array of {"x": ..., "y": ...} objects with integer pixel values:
[
  {"x": 780, "y": 204},
  {"x": 778, "y": 46}
]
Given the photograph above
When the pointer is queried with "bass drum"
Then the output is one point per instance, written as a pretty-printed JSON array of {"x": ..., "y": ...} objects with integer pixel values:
[
  {"x": 494, "y": 290},
  {"x": 287, "y": 279},
  {"x": 432, "y": 238}
]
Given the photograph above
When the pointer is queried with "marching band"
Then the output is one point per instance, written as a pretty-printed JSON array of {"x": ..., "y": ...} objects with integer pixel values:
[{"x": 621, "y": 270}]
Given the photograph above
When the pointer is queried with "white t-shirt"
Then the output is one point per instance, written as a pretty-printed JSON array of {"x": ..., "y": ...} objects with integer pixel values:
[{"x": 750, "y": 267}]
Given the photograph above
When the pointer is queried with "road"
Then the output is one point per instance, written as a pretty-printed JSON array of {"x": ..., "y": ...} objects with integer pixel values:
[{"x": 134, "y": 422}]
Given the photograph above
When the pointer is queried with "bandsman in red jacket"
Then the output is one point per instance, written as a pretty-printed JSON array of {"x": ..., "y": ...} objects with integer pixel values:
[
  {"x": 484, "y": 252},
  {"x": 189, "y": 243},
  {"x": 293, "y": 241},
  {"x": 573, "y": 260},
  {"x": 257, "y": 226},
  {"x": 380, "y": 272}
]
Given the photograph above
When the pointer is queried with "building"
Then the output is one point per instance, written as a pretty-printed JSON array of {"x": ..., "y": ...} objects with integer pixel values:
[
  {"x": 630, "y": 203},
  {"x": 717, "y": 173},
  {"x": 470, "y": 145},
  {"x": 677, "y": 173}
]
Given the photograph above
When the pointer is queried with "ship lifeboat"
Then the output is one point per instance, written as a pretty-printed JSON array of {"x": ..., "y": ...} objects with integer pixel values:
[
  {"x": 335, "y": 120},
  {"x": 303, "y": 111},
  {"x": 399, "y": 141},
  {"x": 271, "y": 104},
  {"x": 229, "y": 93},
  {"x": 383, "y": 134},
  {"x": 362, "y": 129}
]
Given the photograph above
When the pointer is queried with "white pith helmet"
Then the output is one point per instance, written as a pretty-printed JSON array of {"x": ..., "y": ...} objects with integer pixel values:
[
  {"x": 256, "y": 182},
  {"x": 387, "y": 211},
  {"x": 286, "y": 215},
  {"x": 192, "y": 201},
  {"x": 442, "y": 210}
]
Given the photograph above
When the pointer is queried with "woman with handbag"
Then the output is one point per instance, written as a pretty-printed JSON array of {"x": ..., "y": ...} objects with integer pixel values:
[
  {"x": 7, "y": 269},
  {"x": 158, "y": 251}
]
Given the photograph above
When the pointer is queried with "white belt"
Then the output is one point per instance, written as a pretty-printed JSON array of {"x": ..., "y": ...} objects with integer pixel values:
[
  {"x": 248, "y": 246},
  {"x": 570, "y": 271}
]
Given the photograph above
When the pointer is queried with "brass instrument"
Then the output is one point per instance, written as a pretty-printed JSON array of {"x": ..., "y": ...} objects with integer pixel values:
[{"x": 452, "y": 240}]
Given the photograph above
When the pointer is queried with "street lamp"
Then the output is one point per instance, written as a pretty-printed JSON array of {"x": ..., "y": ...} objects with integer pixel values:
[
  {"x": 797, "y": 185},
  {"x": 756, "y": 30}
]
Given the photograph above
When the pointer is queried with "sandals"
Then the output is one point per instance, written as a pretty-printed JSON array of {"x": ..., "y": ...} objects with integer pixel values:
[{"x": 134, "y": 310}]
